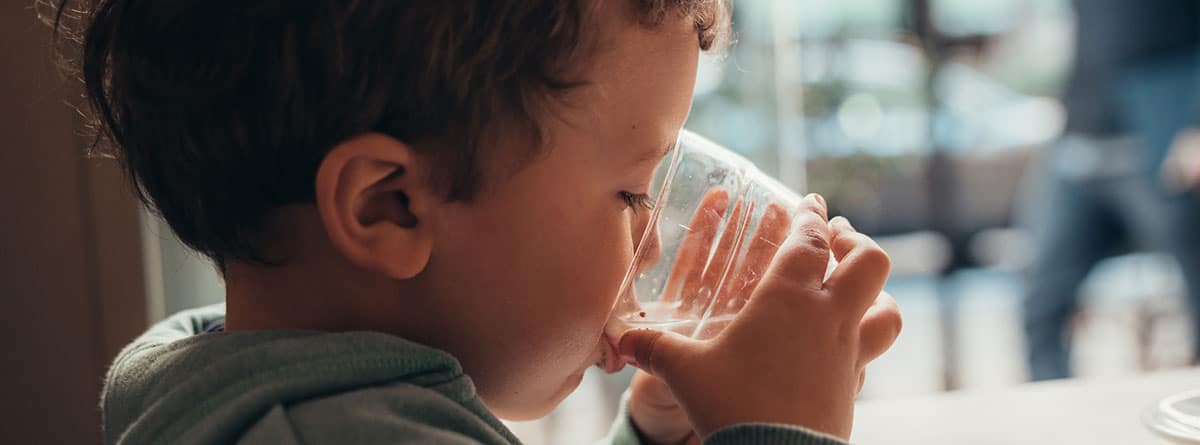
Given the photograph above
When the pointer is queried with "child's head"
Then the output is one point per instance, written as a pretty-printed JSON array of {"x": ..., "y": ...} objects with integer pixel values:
[{"x": 466, "y": 174}]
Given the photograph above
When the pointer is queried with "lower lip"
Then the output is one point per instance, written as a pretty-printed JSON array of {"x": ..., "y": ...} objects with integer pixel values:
[{"x": 611, "y": 360}]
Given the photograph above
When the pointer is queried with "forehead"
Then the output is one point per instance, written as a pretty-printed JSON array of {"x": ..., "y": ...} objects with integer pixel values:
[{"x": 640, "y": 84}]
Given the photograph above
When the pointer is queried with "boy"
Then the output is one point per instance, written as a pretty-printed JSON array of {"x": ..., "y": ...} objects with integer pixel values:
[{"x": 423, "y": 210}]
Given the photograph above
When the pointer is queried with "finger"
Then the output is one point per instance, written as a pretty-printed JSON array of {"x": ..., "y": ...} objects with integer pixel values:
[
  {"x": 862, "y": 268},
  {"x": 717, "y": 268},
  {"x": 879, "y": 328},
  {"x": 652, "y": 407},
  {"x": 802, "y": 258},
  {"x": 771, "y": 232},
  {"x": 838, "y": 227},
  {"x": 653, "y": 392},
  {"x": 653, "y": 351},
  {"x": 693, "y": 252}
]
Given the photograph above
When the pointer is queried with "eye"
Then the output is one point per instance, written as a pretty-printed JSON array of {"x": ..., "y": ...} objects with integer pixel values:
[{"x": 636, "y": 200}]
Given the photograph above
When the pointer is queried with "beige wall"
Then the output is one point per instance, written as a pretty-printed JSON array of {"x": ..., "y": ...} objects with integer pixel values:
[{"x": 71, "y": 285}]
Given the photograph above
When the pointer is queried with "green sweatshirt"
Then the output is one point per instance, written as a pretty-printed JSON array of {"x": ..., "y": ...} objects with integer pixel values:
[{"x": 178, "y": 384}]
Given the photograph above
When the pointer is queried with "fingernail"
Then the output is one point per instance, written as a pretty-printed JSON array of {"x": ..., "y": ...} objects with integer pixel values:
[
  {"x": 629, "y": 359},
  {"x": 842, "y": 221},
  {"x": 815, "y": 199}
]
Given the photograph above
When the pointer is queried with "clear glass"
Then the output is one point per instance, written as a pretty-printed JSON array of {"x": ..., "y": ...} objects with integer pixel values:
[
  {"x": 1176, "y": 417},
  {"x": 716, "y": 224}
]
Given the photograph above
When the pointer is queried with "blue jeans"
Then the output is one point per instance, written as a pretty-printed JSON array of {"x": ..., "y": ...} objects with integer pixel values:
[{"x": 1076, "y": 222}]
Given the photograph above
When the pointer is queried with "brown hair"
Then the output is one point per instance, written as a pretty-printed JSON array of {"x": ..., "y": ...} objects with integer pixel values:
[{"x": 221, "y": 110}]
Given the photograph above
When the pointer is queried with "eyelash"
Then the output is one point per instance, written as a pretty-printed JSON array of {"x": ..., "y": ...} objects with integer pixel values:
[{"x": 635, "y": 200}]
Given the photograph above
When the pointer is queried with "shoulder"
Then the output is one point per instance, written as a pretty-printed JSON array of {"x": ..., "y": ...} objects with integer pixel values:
[{"x": 396, "y": 413}]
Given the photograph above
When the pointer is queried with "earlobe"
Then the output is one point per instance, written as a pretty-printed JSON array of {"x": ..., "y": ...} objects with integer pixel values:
[{"x": 376, "y": 204}]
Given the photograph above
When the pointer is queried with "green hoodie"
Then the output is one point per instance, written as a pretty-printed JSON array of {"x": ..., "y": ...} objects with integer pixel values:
[{"x": 178, "y": 384}]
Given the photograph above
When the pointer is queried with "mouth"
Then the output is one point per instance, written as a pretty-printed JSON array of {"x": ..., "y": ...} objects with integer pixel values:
[{"x": 610, "y": 361}]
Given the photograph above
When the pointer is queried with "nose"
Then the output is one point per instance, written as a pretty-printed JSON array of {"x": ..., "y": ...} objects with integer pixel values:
[{"x": 649, "y": 248}]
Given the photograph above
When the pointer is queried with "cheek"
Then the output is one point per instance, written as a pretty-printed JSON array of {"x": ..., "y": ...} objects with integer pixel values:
[
  {"x": 571, "y": 274},
  {"x": 594, "y": 252},
  {"x": 533, "y": 276},
  {"x": 556, "y": 262},
  {"x": 582, "y": 268}
]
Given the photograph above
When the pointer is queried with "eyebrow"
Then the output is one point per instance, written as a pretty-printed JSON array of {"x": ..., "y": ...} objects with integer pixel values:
[{"x": 655, "y": 155}]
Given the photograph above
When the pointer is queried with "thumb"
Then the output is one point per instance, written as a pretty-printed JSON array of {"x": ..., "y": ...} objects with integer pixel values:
[{"x": 656, "y": 352}]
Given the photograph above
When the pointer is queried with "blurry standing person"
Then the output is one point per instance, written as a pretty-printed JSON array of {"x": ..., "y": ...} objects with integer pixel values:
[{"x": 1125, "y": 171}]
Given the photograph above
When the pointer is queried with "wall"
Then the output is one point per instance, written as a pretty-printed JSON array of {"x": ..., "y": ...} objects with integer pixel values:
[{"x": 71, "y": 281}]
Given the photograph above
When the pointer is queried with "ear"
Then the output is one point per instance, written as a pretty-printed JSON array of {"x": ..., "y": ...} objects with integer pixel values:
[{"x": 376, "y": 204}]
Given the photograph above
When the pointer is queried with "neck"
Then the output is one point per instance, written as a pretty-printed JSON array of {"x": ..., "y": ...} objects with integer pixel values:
[
  {"x": 312, "y": 288},
  {"x": 299, "y": 296},
  {"x": 276, "y": 297}
]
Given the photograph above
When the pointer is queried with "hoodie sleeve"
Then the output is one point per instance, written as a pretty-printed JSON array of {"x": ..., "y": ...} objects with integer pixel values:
[
  {"x": 624, "y": 432},
  {"x": 395, "y": 414}
]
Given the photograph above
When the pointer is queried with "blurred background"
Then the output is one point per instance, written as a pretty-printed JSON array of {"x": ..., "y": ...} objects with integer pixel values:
[{"x": 934, "y": 125}]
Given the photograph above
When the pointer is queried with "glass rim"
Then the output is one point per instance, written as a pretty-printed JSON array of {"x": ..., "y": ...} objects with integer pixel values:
[{"x": 684, "y": 140}]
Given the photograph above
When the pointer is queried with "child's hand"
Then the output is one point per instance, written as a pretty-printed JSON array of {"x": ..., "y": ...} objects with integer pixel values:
[
  {"x": 797, "y": 352},
  {"x": 652, "y": 408}
]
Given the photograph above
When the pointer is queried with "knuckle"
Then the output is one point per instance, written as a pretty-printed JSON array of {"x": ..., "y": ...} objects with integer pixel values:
[
  {"x": 650, "y": 354},
  {"x": 798, "y": 256},
  {"x": 812, "y": 236}
]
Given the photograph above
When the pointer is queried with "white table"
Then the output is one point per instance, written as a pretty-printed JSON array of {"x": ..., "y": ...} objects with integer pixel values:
[{"x": 1084, "y": 411}]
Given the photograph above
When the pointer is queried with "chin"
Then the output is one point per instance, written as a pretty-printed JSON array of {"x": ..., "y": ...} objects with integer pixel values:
[{"x": 533, "y": 410}]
